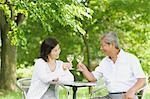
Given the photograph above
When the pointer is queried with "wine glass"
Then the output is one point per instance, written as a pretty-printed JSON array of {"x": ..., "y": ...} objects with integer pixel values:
[
  {"x": 80, "y": 58},
  {"x": 70, "y": 58}
]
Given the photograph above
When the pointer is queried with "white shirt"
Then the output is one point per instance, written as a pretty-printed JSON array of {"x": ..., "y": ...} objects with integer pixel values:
[
  {"x": 121, "y": 75},
  {"x": 42, "y": 76}
]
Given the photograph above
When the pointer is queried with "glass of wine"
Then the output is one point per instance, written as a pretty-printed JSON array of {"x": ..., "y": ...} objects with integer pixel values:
[
  {"x": 80, "y": 58},
  {"x": 70, "y": 58}
]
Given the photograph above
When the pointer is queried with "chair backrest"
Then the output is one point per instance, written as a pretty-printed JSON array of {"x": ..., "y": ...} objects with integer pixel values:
[
  {"x": 100, "y": 90},
  {"x": 140, "y": 94},
  {"x": 23, "y": 84}
]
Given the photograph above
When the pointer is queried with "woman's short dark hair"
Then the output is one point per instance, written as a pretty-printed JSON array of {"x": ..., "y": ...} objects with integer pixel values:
[{"x": 46, "y": 47}]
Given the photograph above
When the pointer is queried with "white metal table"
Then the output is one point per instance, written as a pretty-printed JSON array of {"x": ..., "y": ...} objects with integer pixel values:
[{"x": 75, "y": 85}]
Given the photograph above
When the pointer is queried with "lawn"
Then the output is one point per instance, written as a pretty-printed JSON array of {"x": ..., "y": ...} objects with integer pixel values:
[
  {"x": 11, "y": 95},
  {"x": 82, "y": 93}
]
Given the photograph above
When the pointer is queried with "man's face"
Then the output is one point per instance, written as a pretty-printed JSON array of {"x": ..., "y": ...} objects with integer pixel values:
[
  {"x": 55, "y": 52},
  {"x": 105, "y": 47}
]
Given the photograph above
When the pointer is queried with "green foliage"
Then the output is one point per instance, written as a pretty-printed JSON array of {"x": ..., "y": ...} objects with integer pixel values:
[
  {"x": 129, "y": 18},
  {"x": 42, "y": 18},
  {"x": 69, "y": 21},
  {"x": 45, "y": 13},
  {"x": 24, "y": 72}
]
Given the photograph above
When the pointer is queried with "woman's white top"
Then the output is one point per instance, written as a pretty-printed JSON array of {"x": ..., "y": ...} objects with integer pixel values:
[{"x": 42, "y": 76}]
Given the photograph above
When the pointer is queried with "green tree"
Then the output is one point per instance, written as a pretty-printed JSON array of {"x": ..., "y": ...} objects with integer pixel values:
[
  {"x": 42, "y": 13},
  {"x": 129, "y": 18}
]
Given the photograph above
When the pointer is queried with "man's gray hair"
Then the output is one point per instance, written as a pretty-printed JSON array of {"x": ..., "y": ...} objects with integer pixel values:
[{"x": 111, "y": 37}]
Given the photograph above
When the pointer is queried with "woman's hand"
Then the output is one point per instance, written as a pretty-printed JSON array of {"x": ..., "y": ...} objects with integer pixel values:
[
  {"x": 67, "y": 65},
  {"x": 55, "y": 80}
]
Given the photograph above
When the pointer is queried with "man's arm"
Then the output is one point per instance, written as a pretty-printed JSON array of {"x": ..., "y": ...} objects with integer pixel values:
[
  {"x": 139, "y": 84},
  {"x": 135, "y": 88},
  {"x": 88, "y": 75}
]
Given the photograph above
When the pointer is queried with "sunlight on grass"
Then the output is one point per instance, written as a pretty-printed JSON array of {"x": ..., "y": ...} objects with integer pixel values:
[
  {"x": 82, "y": 93},
  {"x": 147, "y": 93},
  {"x": 12, "y": 95}
]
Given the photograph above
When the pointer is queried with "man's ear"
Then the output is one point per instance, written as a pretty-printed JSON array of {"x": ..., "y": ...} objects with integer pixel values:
[{"x": 113, "y": 45}]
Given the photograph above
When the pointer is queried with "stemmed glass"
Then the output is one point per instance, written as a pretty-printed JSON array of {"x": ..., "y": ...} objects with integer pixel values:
[
  {"x": 80, "y": 58},
  {"x": 70, "y": 58}
]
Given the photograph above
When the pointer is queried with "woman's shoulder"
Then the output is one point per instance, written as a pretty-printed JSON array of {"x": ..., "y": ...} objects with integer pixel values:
[
  {"x": 39, "y": 61},
  {"x": 59, "y": 62}
]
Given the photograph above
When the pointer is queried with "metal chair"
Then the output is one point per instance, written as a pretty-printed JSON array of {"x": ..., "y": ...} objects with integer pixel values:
[
  {"x": 140, "y": 94},
  {"x": 100, "y": 89},
  {"x": 23, "y": 84}
]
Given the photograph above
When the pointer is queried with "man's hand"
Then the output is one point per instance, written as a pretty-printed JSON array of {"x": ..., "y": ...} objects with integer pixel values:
[
  {"x": 89, "y": 76},
  {"x": 130, "y": 94},
  {"x": 82, "y": 67}
]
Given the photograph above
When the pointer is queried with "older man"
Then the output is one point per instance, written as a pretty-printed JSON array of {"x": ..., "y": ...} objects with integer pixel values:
[{"x": 122, "y": 70}]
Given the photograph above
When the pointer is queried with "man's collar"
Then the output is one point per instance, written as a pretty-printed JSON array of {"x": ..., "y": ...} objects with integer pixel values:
[{"x": 119, "y": 55}]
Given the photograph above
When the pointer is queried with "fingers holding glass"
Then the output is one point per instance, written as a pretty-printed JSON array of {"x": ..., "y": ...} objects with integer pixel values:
[
  {"x": 70, "y": 58},
  {"x": 67, "y": 66},
  {"x": 80, "y": 58},
  {"x": 82, "y": 67}
]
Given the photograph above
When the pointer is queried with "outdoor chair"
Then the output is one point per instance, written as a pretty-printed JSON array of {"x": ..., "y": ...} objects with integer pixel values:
[
  {"x": 94, "y": 95},
  {"x": 23, "y": 84},
  {"x": 98, "y": 90},
  {"x": 140, "y": 94}
]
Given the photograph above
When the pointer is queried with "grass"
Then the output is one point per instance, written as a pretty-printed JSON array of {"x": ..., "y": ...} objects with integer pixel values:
[
  {"x": 147, "y": 93},
  {"x": 82, "y": 93},
  {"x": 10, "y": 95}
]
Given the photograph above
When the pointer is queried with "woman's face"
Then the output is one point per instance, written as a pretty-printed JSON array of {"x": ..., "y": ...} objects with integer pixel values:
[{"x": 55, "y": 52}]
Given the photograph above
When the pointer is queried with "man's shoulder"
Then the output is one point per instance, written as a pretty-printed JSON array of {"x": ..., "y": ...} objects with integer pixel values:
[
  {"x": 128, "y": 55},
  {"x": 105, "y": 59}
]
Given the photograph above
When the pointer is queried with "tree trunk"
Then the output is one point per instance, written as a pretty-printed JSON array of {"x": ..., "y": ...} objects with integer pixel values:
[
  {"x": 87, "y": 50},
  {"x": 8, "y": 57},
  {"x": 88, "y": 56}
]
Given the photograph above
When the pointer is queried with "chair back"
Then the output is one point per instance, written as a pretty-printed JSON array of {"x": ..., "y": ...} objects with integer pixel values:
[
  {"x": 100, "y": 90},
  {"x": 23, "y": 84}
]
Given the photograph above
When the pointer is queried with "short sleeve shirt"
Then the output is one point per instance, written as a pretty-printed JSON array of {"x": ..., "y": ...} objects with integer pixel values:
[{"x": 121, "y": 75}]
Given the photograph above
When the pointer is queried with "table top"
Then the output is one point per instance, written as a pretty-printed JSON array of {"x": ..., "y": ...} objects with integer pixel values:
[{"x": 76, "y": 83}]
